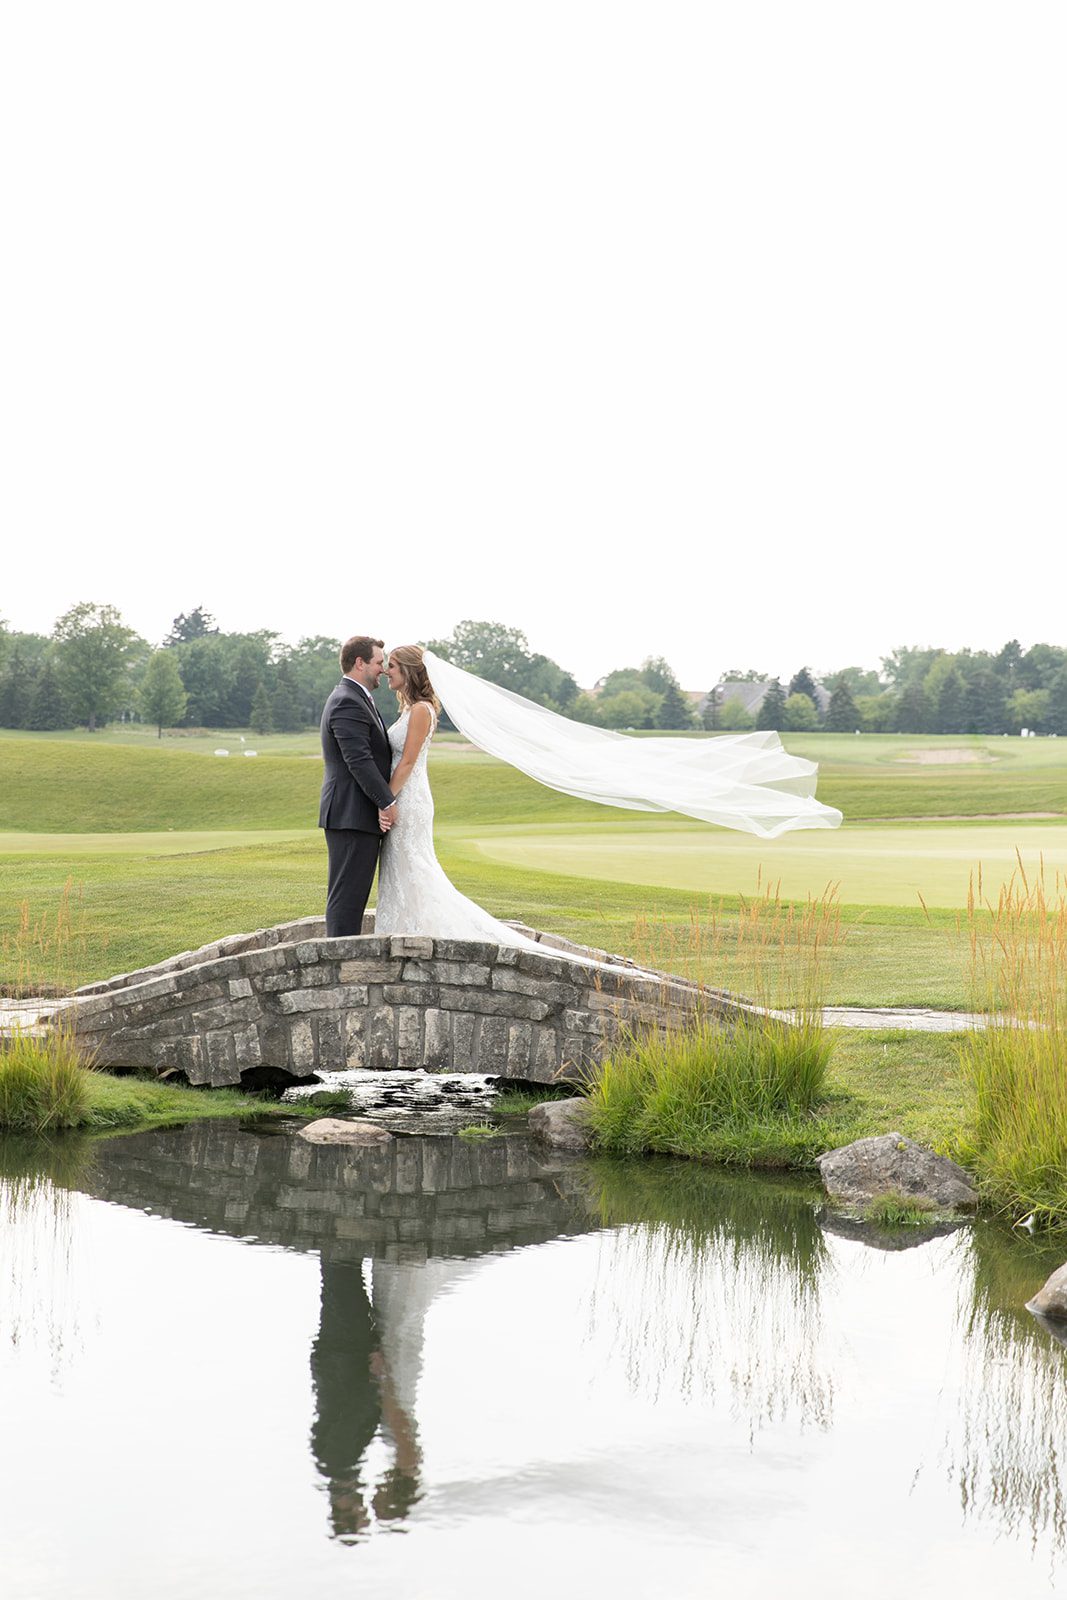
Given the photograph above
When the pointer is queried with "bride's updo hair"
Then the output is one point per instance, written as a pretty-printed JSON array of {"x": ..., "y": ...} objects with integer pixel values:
[{"x": 415, "y": 680}]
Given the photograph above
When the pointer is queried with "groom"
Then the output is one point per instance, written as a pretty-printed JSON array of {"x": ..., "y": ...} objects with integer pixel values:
[{"x": 355, "y": 784}]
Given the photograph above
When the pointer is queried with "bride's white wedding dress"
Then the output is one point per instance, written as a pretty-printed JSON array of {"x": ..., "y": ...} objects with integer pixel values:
[{"x": 414, "y": 893}]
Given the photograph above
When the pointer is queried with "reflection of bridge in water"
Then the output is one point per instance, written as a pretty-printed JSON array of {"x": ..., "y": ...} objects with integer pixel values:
[{"x": 415, "y": 1212}]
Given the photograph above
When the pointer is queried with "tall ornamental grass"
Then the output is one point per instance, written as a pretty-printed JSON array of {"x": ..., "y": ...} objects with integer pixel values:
[
  {"x": 738, "y": 1089},
  {"x": 45, "y": 951},
  {"x": 43, "y": 1083},
  {"x": 1017, "y": 1064}
]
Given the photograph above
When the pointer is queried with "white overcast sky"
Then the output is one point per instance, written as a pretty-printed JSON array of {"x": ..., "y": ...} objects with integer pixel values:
[{"x": 733, "y": 332}]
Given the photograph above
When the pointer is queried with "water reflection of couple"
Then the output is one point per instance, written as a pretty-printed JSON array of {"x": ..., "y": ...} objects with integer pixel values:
[{"x": 365, "y": 1366}]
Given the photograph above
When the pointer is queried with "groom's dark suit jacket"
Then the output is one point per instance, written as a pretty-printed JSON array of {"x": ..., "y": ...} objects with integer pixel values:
[{"x": 358, "y": 761}]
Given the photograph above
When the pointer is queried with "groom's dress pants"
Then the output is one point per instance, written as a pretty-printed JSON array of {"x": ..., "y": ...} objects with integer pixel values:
[{"x": 353, "y": 857}]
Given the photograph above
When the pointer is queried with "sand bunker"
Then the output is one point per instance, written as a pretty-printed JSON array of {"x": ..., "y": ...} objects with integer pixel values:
[{"x": 947, "y": 758}]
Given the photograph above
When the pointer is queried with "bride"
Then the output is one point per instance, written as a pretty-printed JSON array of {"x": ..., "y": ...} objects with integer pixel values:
[
  {"x": 414, "y": 893},
  {"x": 742, "y": 781}
]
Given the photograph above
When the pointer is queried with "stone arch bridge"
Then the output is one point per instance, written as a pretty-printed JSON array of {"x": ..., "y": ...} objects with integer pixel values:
[{"x": 282, "y": 1004}]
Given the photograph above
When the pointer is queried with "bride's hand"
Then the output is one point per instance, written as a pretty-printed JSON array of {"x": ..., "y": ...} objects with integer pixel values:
[{"x": 387, "y": 817}]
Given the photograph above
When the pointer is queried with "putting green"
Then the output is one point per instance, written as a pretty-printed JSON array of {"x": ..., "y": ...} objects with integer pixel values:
[
  {"x": 884, "y": 866},
  {"x": 174, "y": 842}
]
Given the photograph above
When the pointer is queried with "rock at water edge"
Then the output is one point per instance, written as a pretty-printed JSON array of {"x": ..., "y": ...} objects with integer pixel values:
[
  {"x": 563, "y": 1124},
  {"x": 1051, "y": 1301},
  {"x": 334, "y": 1130},
  {"x": 891, "y": 1164}
]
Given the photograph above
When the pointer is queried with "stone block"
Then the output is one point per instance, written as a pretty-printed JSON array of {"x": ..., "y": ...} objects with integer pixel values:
[
  {"x": 247, "y": 1048},
  {"x": 261, "y": 961},
  {"x": 466, "y": 951},
  {"x": 358, "y": 947},
  {"x": 320, "y": 976},
  {"x": 520, "y": 1038},
  {"x": 331, "y": 1053},
  {"x": 578, "y": 1050},
  {"x": 410, "y": 994},
  {"x": 579, "y": 1021},
  {"x": 405, "y": 944},
  {"x": 340, "y": 999},
  {"x": 464, "y": 1030},
  {"x": 370, "y": 969},
  {"x": 407, "y": 1167},
  {"x": 222, "y": 1059},
  {"x": 381, "y": 1039},
  {"x": 226, "y": 1014},
  {"x": 153, "y": 989},
  {"x": 301, "y": 1045},
  {"x": 544, "y": 987},
  {"x": 437, "y": 1042},
  {"x": 456, "y": 972},
  {"x": 308, "y": 952},
  {"x": 240, "y": 989},
  {"x": 409, "y": 1051},
  {"x": 486, "y": 1003},
  {"x": 355, "y": 1039},
  {"x": 545, "y": 1054},
  {"x": 492, "y": 1051}
]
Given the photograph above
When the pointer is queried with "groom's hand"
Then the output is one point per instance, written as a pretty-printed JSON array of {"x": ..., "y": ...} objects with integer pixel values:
[{"x": 387, "y": 817}]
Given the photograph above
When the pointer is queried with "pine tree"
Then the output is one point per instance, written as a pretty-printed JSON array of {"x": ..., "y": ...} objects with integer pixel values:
[
  {"x": 950, "y": 707},
  {"x": 841, "y": 714},
  {"x": 163, "y": 696},
  {"x": 675, "y": 710},
  {"x": 1057, "y": 704},
  {"x": 912, "y": 710},
  {"x": 261, "y": 720},
  {"x": 771, "y": 713},
  {"x": 804, "y": 683},
  {"x": 16, "y": 688},
  {"x": 285, "y": 701},
  {"x": 47, "y": 708}
]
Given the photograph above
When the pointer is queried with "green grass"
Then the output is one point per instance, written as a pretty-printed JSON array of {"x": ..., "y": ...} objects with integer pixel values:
[
  {"x": 873, "y": 1081},
  {"x": 895, "y": 1210},
  {"x": 519, "y": 1103},
  {"x": 479, "y": 1130},
  {"x": 43, "y": 1085},
  {"x": 171, "y": 848},
  {"x": 710, "y": 1092},
  {"x": 138, "y": 908},
  {"x": 128, "y": 1103}
]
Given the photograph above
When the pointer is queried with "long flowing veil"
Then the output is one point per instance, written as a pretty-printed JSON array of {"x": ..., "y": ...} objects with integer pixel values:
[{"x": 735, "y": 780}]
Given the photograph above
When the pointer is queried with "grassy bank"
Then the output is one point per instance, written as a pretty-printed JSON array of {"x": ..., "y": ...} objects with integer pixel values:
[
  {"x": 46, "y": 1088},
  {"x": 872, "y": 1082}
]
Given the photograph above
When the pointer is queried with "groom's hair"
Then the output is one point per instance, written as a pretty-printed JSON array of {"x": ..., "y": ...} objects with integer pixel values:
[{"x": 359, "y": 648}]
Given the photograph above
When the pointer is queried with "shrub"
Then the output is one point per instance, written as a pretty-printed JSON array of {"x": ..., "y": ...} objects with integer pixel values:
[
  {"x": 682, "y": 1091},
  {"x": 1017, "y": 1064},
  {"x": 43, "y": 1083}
]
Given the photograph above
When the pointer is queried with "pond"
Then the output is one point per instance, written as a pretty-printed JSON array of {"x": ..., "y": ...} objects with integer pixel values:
[{"x": 233, "y": 1364}]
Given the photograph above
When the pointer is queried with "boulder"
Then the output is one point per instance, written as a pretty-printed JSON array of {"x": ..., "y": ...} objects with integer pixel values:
[
  {"x": 335, "y": 1130},
  {"x": 1051, "y": 1301},
  {"x": 563, "y": 1124},
  {"x": 891, "y": 1164}
]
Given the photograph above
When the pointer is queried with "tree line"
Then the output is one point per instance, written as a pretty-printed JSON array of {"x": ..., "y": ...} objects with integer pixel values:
[
  {"x": 93, "y": 669},
  {"x": 918, "y": 690}
]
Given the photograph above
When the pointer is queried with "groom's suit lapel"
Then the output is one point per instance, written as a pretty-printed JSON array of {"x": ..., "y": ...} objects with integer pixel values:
[{"x": 354, "y": 690}]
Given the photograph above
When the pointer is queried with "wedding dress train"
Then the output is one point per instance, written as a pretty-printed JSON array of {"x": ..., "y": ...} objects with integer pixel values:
[{"x": 415, "y": 895}]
